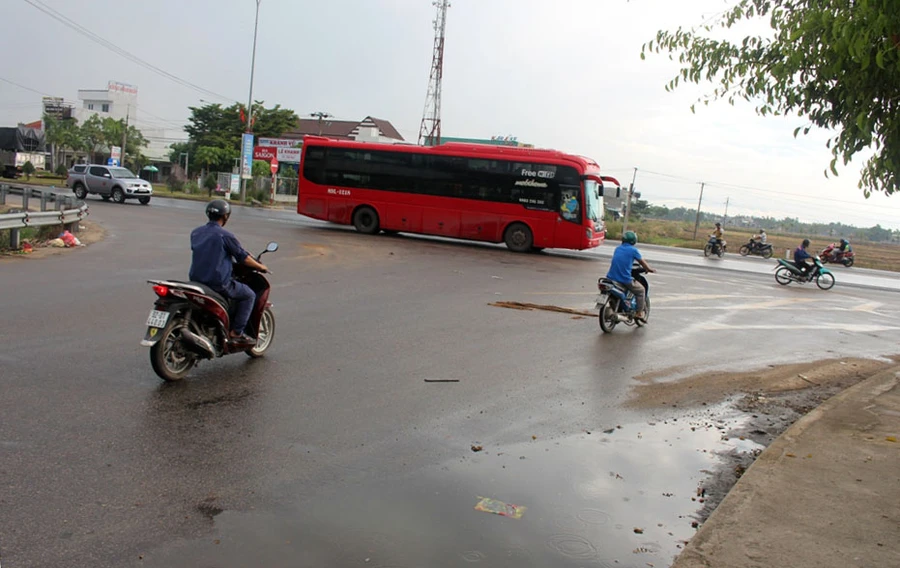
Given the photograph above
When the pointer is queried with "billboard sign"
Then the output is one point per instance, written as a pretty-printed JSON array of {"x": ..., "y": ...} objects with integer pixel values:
[
  {"x": 267, "y": 153},
  {"x": 278, "y": 142},
  {"x": 116, "y": 87},
  {"x": 290, "y": 155},
  {"x": 247, "y": 155}
]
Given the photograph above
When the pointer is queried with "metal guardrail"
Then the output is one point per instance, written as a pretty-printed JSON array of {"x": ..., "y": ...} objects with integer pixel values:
[{"x": 69, "y": 212}]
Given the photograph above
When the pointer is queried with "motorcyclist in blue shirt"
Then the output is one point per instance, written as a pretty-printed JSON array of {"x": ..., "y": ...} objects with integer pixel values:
[
  {"x": 213, "y": 250},
  {"x": 625, "y": 255},
  {"x": 801, "y": 255}
]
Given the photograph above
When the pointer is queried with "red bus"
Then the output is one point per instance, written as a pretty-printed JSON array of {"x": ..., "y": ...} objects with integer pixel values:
[{"x": 527, "y": 198}]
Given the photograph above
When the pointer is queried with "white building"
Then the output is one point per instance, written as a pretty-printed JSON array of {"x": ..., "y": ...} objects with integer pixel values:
[{"x": 119, "y": 101}]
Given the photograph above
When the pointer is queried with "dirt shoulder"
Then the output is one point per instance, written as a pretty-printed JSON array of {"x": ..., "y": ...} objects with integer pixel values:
[{"x": 90, "y": 233}]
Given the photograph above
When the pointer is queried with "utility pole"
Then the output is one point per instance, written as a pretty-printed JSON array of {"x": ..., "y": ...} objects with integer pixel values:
[
  {"x": 727, "y": 199},
  {"x": 628, "y": 202},
  {"x": 697, "y": 222},
  {"x": 125, "y": 137},
  {"x": 250, "y": 97},
  {"x": 320, "y": 115}
]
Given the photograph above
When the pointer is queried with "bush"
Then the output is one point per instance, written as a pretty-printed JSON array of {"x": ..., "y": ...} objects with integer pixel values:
[
  {"x": 62, "y": 171},
  {"x": 174, "y": 184},
  {"x": 28, "y": 169},
  {"x": 210, "y": 183}
]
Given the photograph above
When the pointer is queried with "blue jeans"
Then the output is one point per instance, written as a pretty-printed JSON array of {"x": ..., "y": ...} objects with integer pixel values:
[{"x": 242, "y": 298}]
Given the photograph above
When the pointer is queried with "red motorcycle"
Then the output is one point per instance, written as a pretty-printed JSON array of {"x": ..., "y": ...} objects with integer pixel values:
[
  {"x": 189, "y": 322},
  {"x": 832, "y": 253}
]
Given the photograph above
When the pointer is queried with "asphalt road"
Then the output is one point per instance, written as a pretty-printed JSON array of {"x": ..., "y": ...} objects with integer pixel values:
[{"x": 333, "y": 450}]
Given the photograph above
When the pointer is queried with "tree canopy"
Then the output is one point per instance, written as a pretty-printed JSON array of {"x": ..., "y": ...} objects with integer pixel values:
[
  {"x": 836, "y": 63},
  {"x": 214, "y": 132}
]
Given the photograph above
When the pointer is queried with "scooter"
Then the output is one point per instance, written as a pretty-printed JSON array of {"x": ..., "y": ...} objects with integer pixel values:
[
  {"x": 786, "y": 272},
  {"x": 189, "y": 322},
  {"x": 754, "y": 247},
  {"x": 832, "y": 253},
  {"x": 618, "y": 305},
  {"x": 714, "y": 248}
]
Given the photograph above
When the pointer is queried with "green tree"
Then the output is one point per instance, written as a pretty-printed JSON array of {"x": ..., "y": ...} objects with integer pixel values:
[
  {"x": 28, "y": 169},
  {"x": 92, "y": 136},
  {"x": 221, "y": 127},
  {"x": 835, "y": 63},
  {"x": 261, "y": 168},
  {"x": 63, "y": 134},
  {"x": 210, "y": 183}
]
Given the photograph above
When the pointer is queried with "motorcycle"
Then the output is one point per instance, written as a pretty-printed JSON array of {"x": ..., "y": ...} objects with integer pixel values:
[
  {"x": 619, "y": 305},
  {"x": 754, "y": 247},
  {"x": 189, "y": 322},
  {"x": 786, "y": 272},
  {"x": 714, "y": 248},
  {"x": 831, "y": 253}
]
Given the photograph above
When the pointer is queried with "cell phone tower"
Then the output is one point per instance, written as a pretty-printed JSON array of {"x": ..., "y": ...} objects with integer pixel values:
[{"x": 430, "y": 130}]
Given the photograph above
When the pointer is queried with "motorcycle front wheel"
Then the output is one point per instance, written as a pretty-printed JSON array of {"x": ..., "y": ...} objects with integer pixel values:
[
  {"x": 707, "y": 251},
  {"x": 265, "y": 335},
  {"x": 783, "y": 275},
  {"x": 608, "y": 316},
  {"x": 825, "y": 281},
  {"x": 168, "y": 357}
]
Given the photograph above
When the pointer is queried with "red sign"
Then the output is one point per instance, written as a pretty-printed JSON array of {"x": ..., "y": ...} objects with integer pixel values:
[
  {"x": 267, "y": 153},
  {"x": 274, "y": 166}
]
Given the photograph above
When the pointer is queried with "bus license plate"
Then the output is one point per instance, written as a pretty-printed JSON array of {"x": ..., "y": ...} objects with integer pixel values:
[{"x": 157, "y": 319}]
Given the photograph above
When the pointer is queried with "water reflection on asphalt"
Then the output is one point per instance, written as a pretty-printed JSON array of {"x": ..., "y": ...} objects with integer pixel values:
[{"x": 621, "y": 497}]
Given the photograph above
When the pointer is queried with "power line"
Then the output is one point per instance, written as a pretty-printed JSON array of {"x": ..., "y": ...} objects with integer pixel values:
[
  {"x": 118, "y": 50},
  {"x": 23, "y": 86}
]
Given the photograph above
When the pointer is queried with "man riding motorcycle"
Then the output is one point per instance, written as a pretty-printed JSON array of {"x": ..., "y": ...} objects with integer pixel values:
[
  {"x": 623, "y": 257},
  {"x": 801, "y": 255},
  {"x": 214, "y": 248},
  {"x": 839, "y": 251},
  {"x": 758, "y": 241}
]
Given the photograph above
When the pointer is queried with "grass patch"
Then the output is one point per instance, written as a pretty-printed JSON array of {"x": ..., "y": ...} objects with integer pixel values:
[{"x": 880, "y": 256}]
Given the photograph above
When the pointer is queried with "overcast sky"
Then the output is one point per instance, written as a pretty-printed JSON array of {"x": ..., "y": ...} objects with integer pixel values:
[{"x": 565, "y": 74}]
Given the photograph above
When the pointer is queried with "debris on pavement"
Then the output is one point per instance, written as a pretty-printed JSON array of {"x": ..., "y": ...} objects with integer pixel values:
[
  {"x": 528, "y": 307},
  {"x": 477, "y": 448},
  {"x": 488, "y": 505}
]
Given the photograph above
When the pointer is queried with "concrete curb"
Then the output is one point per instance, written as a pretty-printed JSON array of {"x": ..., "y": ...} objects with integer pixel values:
[{"x": 767, "y": 497}]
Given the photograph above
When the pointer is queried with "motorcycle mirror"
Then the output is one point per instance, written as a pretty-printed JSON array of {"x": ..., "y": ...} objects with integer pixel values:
[{"x": 272, "y": 247}]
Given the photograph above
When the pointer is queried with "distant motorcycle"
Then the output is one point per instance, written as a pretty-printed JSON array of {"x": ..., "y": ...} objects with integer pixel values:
[
  {"x": 786, "y": 272},
  {"x": 832, "y": 253},
  {"x": 189, "y": 322},
  {"x": 753, "y": 247},
  {"x": 714, "y": 248},
  {"x": 618, "y": 305}
]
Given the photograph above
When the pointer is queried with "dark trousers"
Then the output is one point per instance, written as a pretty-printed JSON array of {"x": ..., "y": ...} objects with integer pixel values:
[
  {"x": 804, "y": 266},
  {"x": 242, "y": 298}
]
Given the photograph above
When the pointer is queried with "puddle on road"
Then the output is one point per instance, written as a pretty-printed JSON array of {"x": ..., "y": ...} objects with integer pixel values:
[{"x": 584, "y": 498}]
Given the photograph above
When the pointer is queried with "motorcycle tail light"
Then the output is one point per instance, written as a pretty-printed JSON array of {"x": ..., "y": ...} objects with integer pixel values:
[{"x": 161, "y": 291}]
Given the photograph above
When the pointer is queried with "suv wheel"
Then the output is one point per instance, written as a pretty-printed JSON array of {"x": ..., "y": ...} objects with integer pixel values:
[
  {"x": 80, "y": 192},
  {"x": 118, "y": 195}
]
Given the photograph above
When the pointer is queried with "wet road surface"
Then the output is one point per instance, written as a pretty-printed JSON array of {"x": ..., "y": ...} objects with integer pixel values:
[{"x": 333, "y": 450}]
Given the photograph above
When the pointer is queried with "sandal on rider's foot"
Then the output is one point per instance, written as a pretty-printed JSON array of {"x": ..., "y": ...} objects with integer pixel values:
[{"x": 640, "y": 316}]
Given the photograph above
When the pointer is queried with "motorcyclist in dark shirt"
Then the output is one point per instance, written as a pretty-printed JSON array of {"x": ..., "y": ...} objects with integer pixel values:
[
  {"x": 801, "y": 255},
  {"x": 214, "y": 249}
]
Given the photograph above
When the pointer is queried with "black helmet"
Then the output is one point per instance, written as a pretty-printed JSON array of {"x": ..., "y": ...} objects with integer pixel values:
[
  {"x": 218, "y": 209},
  {"x": 761, "y": 231},
  {"x": 718, "y": 224},
  {"x": 845, "y": 242},
  {"x": 805, "y": 243}
]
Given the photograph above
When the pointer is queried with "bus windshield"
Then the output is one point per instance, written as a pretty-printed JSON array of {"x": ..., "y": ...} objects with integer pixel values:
[{"x": 593, "y": 200}]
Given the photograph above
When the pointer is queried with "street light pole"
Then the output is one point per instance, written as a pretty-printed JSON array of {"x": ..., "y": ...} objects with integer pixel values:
[{"x": 250, "y": 97}]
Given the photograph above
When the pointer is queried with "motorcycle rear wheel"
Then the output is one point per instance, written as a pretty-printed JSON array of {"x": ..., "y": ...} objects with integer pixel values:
[
  {"x": 825, "y": 281},
  {"x": 168, "y": 358},
  {"x": 608, "y": 316},
  {"x": 783, "y": 275},
  {"x": 721, "y": 251},
  {"x": 265, "y": 335},
  {"x": 848, "y": 262},
  {"x": 767, "y": 253}
]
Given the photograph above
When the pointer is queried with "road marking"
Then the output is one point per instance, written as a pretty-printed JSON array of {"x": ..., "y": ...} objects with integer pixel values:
[{"x": 854, "y": 327}]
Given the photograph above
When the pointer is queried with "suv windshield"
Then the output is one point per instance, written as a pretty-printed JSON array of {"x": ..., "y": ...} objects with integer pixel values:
[
  {"x": 121, "y": 173},
  {"x": 593, "y": 200}
]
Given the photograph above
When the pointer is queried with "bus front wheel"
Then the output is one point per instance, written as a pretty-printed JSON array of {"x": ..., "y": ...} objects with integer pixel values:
[
  {"x": 518, "y": 237},
  {"x": 365, "y": 219}
]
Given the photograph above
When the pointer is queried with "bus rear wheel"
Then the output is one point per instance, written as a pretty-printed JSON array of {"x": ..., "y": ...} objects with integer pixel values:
[
  {"x": 518, "y": 237},
  {"x": 365, "y": 219}
]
